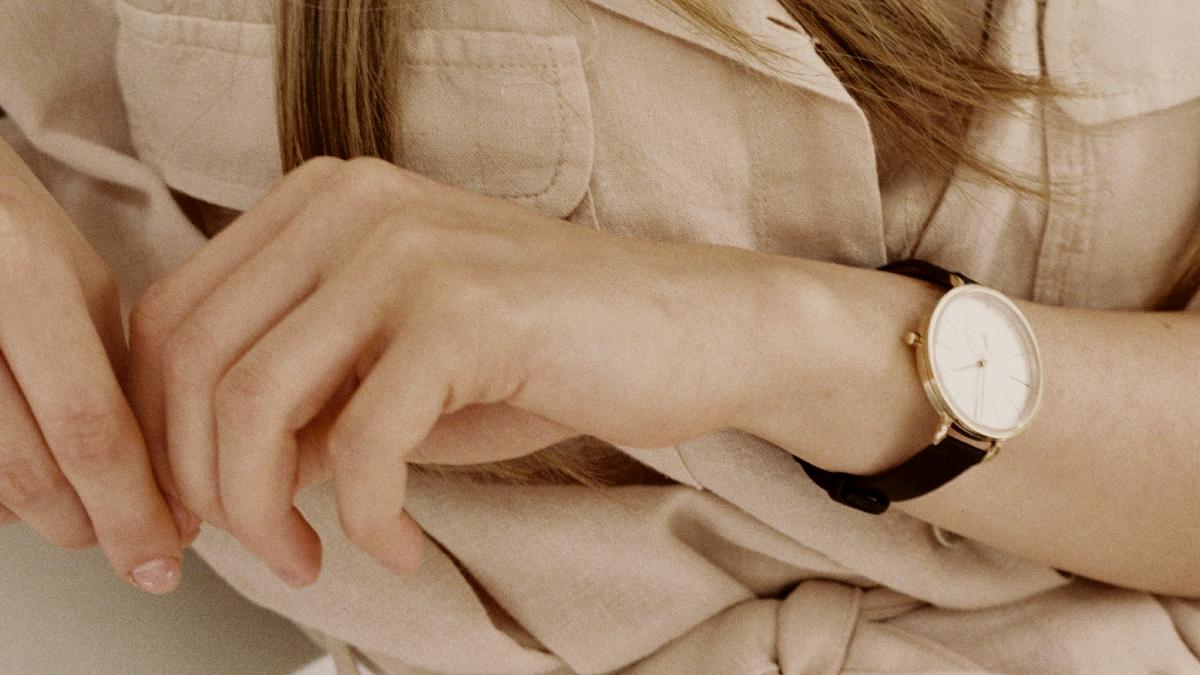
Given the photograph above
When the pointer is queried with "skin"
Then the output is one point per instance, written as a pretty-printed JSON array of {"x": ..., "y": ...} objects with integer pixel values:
[
  {"x": 361, "y": 317},
  {"x": 429, "y": 315},
  {"x": 1102, "y": 483},
  {"x": 73, "y": 466}
]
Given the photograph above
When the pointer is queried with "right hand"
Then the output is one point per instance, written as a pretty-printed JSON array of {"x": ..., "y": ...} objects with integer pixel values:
[{"x": 73, "y": 464}]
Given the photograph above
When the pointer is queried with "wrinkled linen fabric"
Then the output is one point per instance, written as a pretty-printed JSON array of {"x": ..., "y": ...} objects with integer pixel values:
[{"x": 621, "y": 116}]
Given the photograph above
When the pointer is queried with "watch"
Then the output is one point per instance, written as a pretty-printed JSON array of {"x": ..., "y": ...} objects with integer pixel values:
[{"x": 980, "y": 367}]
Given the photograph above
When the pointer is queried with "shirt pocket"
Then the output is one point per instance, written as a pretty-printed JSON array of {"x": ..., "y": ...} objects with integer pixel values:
[
  {"x": 1123, "y": 149},
  {"x": 502, "y": 113}
]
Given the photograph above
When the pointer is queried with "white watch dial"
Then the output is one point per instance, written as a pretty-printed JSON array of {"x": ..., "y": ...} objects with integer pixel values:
[{"x": 985, "y": 361}]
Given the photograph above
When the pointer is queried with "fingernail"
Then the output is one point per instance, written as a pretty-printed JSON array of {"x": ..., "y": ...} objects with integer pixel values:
[{"x": 157, "y": 576}]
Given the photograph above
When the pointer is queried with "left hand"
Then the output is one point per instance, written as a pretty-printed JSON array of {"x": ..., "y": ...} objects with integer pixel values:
[{"x": 361, "y": 316}]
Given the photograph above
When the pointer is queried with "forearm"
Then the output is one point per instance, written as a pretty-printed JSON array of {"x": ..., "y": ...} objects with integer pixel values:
[{"x": 1106, "y": 480}]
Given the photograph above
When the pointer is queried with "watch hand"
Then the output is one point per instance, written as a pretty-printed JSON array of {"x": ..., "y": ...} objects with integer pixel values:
[
  {"x": 979, "y": 398},
  {"x": 983, "y": 382}
]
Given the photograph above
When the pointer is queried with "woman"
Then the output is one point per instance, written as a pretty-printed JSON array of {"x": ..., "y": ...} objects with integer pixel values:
[{"x": 715, "y": 319}]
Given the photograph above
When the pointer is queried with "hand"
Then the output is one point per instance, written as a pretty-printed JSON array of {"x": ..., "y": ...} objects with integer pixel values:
[
  {"x": 72, "y": 463},
  {"x": 388, "y": 318}
]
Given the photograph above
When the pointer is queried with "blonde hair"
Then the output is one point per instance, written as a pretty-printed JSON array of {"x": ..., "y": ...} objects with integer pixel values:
[{"x": 906, "y": 62}]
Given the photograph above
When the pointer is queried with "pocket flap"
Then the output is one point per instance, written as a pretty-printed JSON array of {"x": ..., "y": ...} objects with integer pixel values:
[
  {"x": 502, "y": 113},
  {"x": 1126, "y": 58}
]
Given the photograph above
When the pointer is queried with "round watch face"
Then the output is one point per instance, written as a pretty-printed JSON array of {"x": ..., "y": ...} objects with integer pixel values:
[{"x": 984, "y": 361}]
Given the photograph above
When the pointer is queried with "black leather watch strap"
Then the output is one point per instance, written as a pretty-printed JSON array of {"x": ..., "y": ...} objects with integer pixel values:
[
  {"x": 925, "y": 270},
  {"x": 928, "y": 470}
]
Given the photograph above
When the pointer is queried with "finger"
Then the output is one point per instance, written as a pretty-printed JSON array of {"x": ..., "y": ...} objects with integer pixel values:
[
  {"x": 275, "y": 389},
  {"x": 313, "y": 465},
  {"x": 168, "y": 303},
  {"x": 235, "y": 315},
  {"x": 392, "y": 411},
  {"x": 61, "y": 367},
  {"x": 32, "y": 488}
]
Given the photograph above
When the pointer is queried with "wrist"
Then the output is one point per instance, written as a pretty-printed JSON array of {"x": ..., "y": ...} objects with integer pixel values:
[{"x": 839, "y": 387}]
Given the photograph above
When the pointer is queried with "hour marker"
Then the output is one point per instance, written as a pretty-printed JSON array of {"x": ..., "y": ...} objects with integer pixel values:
[{"x": 1019, "y": 380}]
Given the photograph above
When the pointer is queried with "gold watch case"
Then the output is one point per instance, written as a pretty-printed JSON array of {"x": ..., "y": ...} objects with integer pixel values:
[{"x": 933, "y": 388}]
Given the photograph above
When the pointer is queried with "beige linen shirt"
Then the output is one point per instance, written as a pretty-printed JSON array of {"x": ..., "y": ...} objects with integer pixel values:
[{"x": 619, "y": 115}]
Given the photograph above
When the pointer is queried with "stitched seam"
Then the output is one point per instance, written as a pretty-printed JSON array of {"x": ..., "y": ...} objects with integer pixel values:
[
  {"x": 472, "y": 64},
  {"x": 144, "y": 10},
  {"x": 562, "y": 123},
  {"x": 188, "y": 44},
  {"x": 1081, "y": 240},
  {"x": 182, "y": 37},
  {"x": 758, "y": 210}
]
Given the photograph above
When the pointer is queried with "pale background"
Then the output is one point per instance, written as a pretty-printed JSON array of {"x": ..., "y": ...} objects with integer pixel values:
[{"x": 66, "y": 612}]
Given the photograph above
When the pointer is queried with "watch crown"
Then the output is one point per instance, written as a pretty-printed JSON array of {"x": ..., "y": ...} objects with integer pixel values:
[{"x": 913, "y": 338}]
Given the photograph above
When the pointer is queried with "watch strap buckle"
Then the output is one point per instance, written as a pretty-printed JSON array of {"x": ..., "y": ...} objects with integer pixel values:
[
  {"x": 843, "y": 489},
  {"x": 860, "y": 497}
]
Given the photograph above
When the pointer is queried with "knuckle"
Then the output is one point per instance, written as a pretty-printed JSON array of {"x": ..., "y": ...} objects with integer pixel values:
[
  {"x": 413, "y": 239},
  {"x": 377, "y": 178},
  {"x": 321, "y": 164},
  {"x": 25, "y": 482},
  {"x": 88, "y": 437},
  {"x": 182, "y": 356},
  {"x": 244, "y": 394}
]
